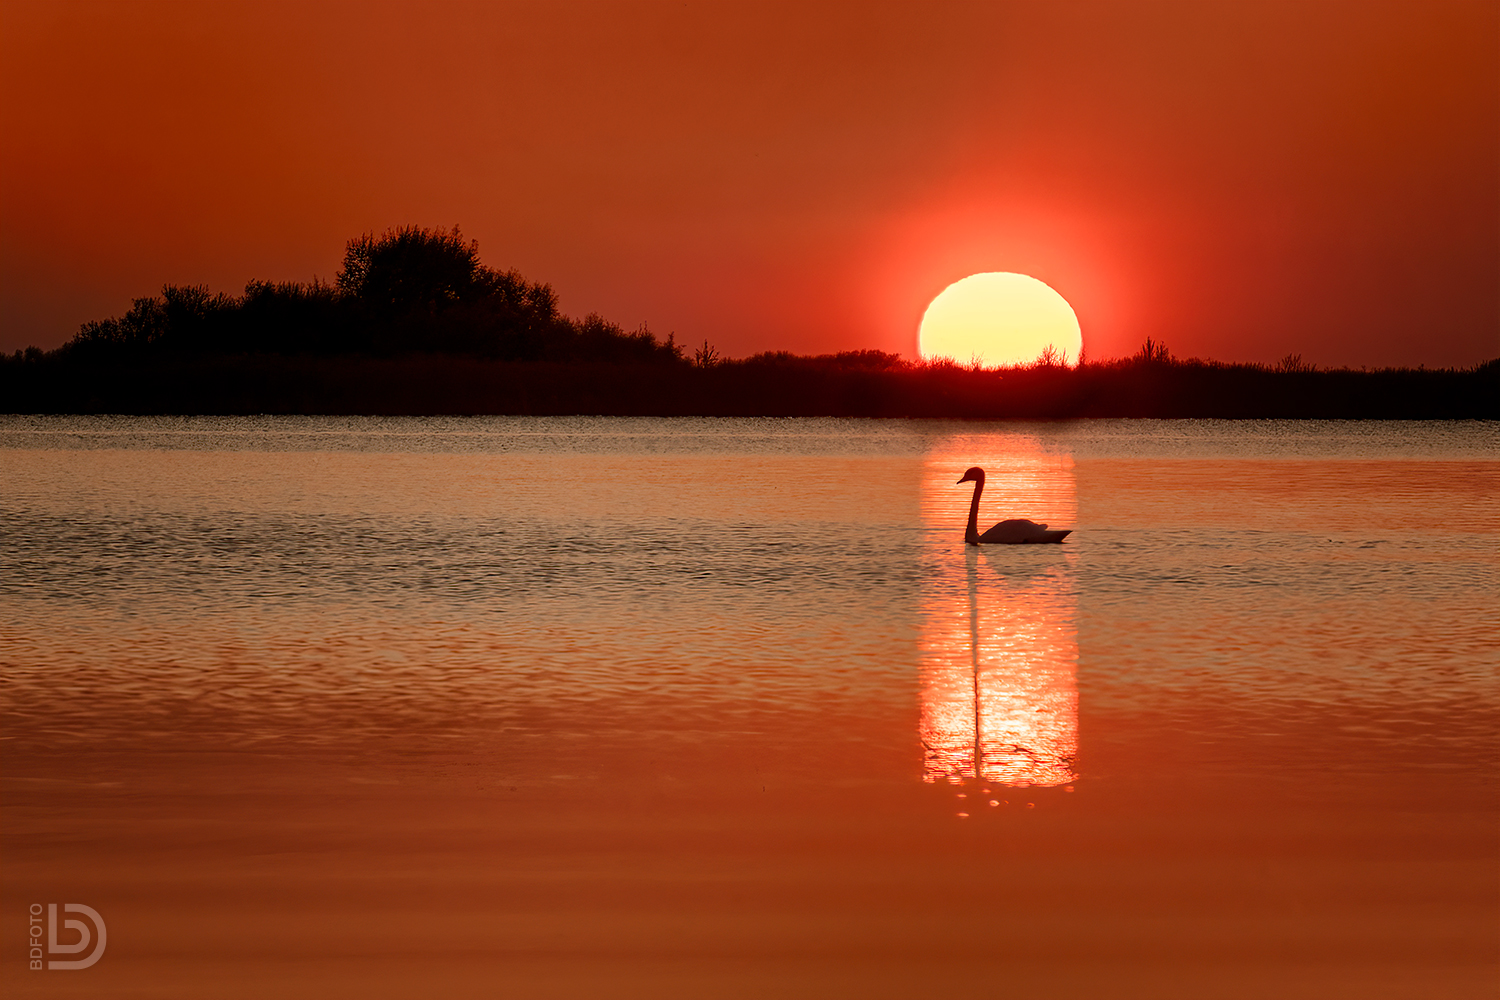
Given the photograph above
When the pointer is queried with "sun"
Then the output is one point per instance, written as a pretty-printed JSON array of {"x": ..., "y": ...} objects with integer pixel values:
[{"x": 999, "y": 318}]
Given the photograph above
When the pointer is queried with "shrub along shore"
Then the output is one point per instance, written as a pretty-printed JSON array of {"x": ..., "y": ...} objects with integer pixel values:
[
  {"x": 414, "y": 324},
  {"x": 782, "y": 386}
]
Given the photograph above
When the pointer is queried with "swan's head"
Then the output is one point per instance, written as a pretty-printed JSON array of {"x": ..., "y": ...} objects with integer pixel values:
[{"x": 975, "y": 474}]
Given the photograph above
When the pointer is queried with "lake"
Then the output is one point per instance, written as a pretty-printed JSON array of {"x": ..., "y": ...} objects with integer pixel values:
[{"x": 608, "y": 707}]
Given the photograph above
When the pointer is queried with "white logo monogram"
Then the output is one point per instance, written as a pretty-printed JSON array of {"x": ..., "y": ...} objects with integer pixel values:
[{"x": 55, "y": 947}]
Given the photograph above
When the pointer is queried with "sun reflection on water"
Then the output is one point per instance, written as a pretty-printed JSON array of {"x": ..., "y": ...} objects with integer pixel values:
[{"x": 999, "y": 643}]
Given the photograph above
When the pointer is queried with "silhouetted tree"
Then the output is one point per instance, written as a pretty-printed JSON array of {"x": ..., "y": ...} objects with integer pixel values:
[
  {"x": 184, "y": 318},
  {"x": 292, "y": 318},
  {"x": 409, "y": 269},
  {"x": 706, "y": 356},
  {"x": 406, "y": 291}
]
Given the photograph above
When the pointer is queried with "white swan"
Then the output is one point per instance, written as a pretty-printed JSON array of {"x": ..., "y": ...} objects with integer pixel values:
[{"x": 1017, "y": 531}]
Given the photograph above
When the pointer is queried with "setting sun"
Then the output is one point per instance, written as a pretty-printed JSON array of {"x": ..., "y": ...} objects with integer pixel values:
[{"x": 999, "y": 318}]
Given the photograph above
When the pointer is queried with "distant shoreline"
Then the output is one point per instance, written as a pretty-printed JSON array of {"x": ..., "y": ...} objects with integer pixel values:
[
  {"x": 415, "y": 325},
  {"x": 861, "y": 384}
]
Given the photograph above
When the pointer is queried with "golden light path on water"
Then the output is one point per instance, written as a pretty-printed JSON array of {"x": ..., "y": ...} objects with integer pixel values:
[{"x": 999, "y": 646}]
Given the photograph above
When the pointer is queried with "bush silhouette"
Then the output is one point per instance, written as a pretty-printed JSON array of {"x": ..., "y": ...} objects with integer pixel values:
[
  {"x": 411, "y": 270},
  {"x": 407, "y": 291}
]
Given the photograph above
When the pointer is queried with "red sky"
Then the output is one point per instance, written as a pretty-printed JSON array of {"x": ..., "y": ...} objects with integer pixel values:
[{"x": 1242, "y": 180}]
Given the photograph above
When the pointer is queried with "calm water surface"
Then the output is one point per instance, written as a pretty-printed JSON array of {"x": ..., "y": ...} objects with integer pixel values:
[
  {"x": 600, "y": 603},
  {"x": 326, "y": 579}
]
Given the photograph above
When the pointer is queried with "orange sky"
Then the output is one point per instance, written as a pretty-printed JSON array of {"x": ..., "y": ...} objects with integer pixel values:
[{"x": 1241, "y": 180}]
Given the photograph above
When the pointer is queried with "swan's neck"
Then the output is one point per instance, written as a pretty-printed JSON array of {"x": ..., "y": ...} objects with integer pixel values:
[{"x": 971, "y": 534}]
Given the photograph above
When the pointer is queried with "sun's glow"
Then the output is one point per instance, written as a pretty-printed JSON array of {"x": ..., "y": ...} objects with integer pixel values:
[{"x": 999, "y": 318}]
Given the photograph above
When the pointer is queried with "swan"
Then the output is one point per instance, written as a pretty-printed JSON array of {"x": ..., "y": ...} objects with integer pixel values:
[{"x": 1017, "y": 531}]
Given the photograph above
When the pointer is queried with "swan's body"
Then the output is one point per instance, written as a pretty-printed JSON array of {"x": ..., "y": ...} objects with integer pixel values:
[{"x": 1016, "y": 531}]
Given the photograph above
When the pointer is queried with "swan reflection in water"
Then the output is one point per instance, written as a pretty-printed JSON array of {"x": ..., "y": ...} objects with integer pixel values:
[{"x": 999, "y": 661}]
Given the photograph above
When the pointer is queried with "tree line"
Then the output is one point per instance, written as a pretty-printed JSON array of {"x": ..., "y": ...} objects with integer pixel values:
[
  {"x": 414, "y": 323},
  {"x": 407, "y": 291}
]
